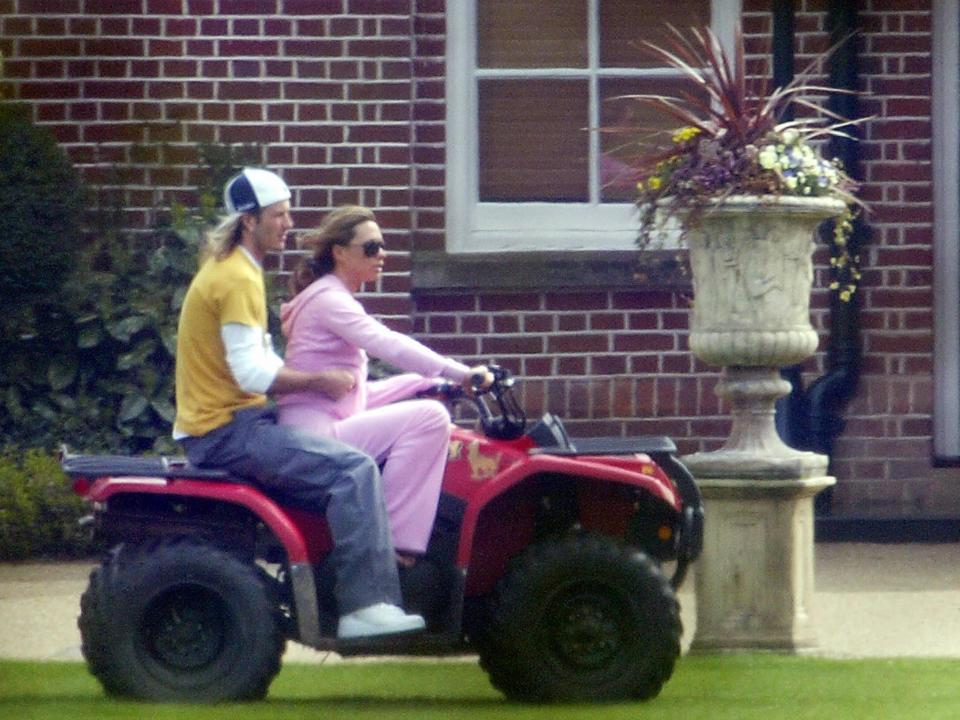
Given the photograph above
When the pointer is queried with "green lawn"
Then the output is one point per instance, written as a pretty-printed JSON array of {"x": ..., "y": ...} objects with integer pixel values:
[{"x": 717, "y": 687}]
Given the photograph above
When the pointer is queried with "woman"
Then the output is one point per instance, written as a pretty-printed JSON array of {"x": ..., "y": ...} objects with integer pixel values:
[{"x": 326, "y": 328}]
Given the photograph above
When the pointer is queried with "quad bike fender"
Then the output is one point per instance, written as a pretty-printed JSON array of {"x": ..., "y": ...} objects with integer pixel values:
[
  {"x": 577, "y": 467},
  {"x": 278, "y": 521}
]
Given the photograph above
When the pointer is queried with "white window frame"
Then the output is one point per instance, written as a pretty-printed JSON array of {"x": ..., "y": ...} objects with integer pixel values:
[
  {"x": 473, "y": 226},
  {"x": 946, "y": 236}
]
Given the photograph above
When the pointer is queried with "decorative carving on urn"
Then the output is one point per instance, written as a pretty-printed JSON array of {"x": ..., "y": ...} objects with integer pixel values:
[{"x": 752, "y": 273}]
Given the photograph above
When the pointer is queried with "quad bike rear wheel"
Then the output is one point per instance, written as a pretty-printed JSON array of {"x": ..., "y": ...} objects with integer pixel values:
[
  {"x": 583, "y": 618},
  {"x": 180, "y": 621}
]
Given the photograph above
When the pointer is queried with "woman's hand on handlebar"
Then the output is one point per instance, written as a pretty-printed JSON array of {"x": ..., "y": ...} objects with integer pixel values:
[{"x": 478, "y": 379}]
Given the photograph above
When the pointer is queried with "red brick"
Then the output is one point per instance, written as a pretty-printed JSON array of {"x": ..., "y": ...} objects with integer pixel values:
[
  {"x": 249, "y": 90},
  {"x": 180, "y": 27},
  {"x": 608, "y": 364},
  {"x": 51, "y": 26},
  {"x": 200, "y": 90},
  {"x": 511, "y": 345},
  {"x": 578, "y": 344},
  {"x": 49, "y": 47},
  {"x": 164, "y": 7},
  {"x": 245, "y": 28},
  {"x": 116, "y": 89},
  {"x": 313, "y": 48},
  {"x": 250, "y": 48},
  {"x": 571, "y": 323},
  {"x": 367, "y": 91},
  {"x": 52, "y": 7},
  {"x": 646, "y": 342},
  {"x": 247, "y": 7},
  {"x": 250, "y": 133},
  {"x": 312, "y": 91},
  {"x": 506, "y": 324},
  {"x": 164, "y": 48},
  {"x": 311, "y": 7},
  {"x": 16, "y": 26},
  {"x": 313, "y": 133}
]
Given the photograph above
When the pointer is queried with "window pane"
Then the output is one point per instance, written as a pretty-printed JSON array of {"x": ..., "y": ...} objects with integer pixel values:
[
  {"x": 625, "y": 24},
  {"x": 531, "y": 33},
  {"x": 617, "y": 149},
  {"x": 533, "y": 145}
]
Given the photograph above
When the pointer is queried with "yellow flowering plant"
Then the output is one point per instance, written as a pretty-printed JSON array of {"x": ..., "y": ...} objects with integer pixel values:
[{"x": 734, "y": 140}]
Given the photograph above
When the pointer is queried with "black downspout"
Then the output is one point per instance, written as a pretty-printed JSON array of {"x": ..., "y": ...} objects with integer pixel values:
[
  {"x": 791, "y": 417},
  {"x": 829, "y": 394},
  {"x": 811, "y": 419}
]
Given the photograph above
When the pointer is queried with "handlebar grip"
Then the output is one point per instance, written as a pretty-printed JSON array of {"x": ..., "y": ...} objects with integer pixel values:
[{"x": 477, "y": 379}]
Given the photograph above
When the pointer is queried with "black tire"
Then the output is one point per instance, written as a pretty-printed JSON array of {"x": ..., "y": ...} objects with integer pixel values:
[
  {"x": 581, "y": 619},
  {"x": 180, "y": 621},
  {"x": 91, "y": 623}
]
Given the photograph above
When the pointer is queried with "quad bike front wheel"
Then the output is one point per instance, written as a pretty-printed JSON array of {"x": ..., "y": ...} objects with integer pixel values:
[
  {"x": 180, "y": 621},
  {"x": 582, "y": 618}
]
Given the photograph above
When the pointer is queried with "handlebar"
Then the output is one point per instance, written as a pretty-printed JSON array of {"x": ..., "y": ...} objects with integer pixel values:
[{"x": 508, "y": 422}]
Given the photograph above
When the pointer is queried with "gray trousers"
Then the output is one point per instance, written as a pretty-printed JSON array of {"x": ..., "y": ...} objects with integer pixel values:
[{"x": 316, "y": 474}]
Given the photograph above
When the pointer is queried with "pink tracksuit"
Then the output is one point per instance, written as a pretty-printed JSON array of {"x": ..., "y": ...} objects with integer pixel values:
[{"x": 326, "y": 328}]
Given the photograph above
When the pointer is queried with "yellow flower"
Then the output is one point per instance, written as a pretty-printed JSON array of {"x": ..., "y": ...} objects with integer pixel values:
[
  {"x": 654, "y": 183},
  {"x": 685, "y": 133}
]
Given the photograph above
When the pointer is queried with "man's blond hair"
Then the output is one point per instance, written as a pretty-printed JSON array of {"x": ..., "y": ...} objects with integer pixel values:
[{"x": 222, "y": 239}]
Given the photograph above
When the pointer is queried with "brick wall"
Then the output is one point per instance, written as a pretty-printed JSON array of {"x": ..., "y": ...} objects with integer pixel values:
[
  {"x": 346, "y": 99},
  {"x": 319, "y": 89}
]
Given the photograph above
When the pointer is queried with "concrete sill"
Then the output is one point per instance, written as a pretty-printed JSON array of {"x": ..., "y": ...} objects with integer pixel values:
[{"x": 653, "y": 270}]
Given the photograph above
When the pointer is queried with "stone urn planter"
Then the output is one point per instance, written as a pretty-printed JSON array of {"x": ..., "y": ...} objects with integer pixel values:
[{"x": 751, "y": 259}]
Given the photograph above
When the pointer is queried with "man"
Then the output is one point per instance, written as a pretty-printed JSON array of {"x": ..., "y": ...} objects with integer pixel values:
[{"x": 226, "y": 366}]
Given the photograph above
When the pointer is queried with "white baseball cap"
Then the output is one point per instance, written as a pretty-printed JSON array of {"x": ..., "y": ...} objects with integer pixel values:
[{"x": 254, "y": 189}]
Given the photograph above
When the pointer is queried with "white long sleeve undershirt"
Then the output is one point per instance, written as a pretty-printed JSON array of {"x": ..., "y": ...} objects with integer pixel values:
[{"x": 251, "y": 357}]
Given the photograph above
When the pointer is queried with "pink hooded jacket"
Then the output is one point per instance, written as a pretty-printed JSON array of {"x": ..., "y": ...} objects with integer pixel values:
[{"x": 326, "y": 328}]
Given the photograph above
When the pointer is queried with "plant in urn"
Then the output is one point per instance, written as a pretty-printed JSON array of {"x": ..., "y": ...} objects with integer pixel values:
[{"x": 746, "y": 191}]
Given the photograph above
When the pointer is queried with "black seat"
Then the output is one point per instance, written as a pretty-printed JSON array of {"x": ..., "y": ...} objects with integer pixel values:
[{"x": 648, "y": 444}]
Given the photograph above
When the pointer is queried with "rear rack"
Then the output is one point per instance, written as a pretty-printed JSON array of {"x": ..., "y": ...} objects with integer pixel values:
[{"x": 163, "y": 466}]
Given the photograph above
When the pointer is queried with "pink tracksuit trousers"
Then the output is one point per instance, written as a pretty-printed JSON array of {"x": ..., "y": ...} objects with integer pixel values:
[{"x": 327, "y": 328}]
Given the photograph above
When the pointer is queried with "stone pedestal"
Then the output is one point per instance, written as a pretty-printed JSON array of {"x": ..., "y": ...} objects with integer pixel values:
[
  {"x": 755, "y": 576},
  {"x": 754, "y": 580}
]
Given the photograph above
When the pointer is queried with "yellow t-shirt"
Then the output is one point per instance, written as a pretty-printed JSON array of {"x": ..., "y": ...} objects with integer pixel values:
[{"x": 223, "y": 291}]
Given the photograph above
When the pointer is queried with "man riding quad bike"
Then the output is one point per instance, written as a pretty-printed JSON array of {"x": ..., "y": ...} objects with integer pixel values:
[{"x": 549, "y": 557}]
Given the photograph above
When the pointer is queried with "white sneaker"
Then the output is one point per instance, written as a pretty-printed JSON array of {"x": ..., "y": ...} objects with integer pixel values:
[{"x": 379, "y": 619}]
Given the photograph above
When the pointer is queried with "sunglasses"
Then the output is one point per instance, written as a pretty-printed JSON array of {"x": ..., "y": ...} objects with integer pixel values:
[{"x": 371, "y": 248}]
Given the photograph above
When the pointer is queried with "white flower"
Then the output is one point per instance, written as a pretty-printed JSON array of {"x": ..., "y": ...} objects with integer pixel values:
[
  {"x": 790, "y": 136},
  {"x": 767, "y": 157}
]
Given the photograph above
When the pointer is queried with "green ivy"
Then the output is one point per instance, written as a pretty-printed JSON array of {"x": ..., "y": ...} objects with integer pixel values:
[{"x": 95, "y": 370}]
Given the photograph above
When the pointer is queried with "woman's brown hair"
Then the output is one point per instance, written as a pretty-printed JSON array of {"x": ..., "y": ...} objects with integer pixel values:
[{"x": 335, "y": 229}]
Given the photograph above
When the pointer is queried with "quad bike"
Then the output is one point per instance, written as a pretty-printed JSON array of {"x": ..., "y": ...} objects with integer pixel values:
[{"x": 549, "y": 558}]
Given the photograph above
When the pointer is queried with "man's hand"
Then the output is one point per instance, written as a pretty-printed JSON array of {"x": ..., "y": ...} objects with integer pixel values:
[
  {"x": 335, "y": 383},
  {"x": 332, "y": 383}
]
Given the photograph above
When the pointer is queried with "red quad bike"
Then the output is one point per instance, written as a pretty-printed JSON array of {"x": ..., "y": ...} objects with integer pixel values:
[{"x": 549, "y": 558}]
